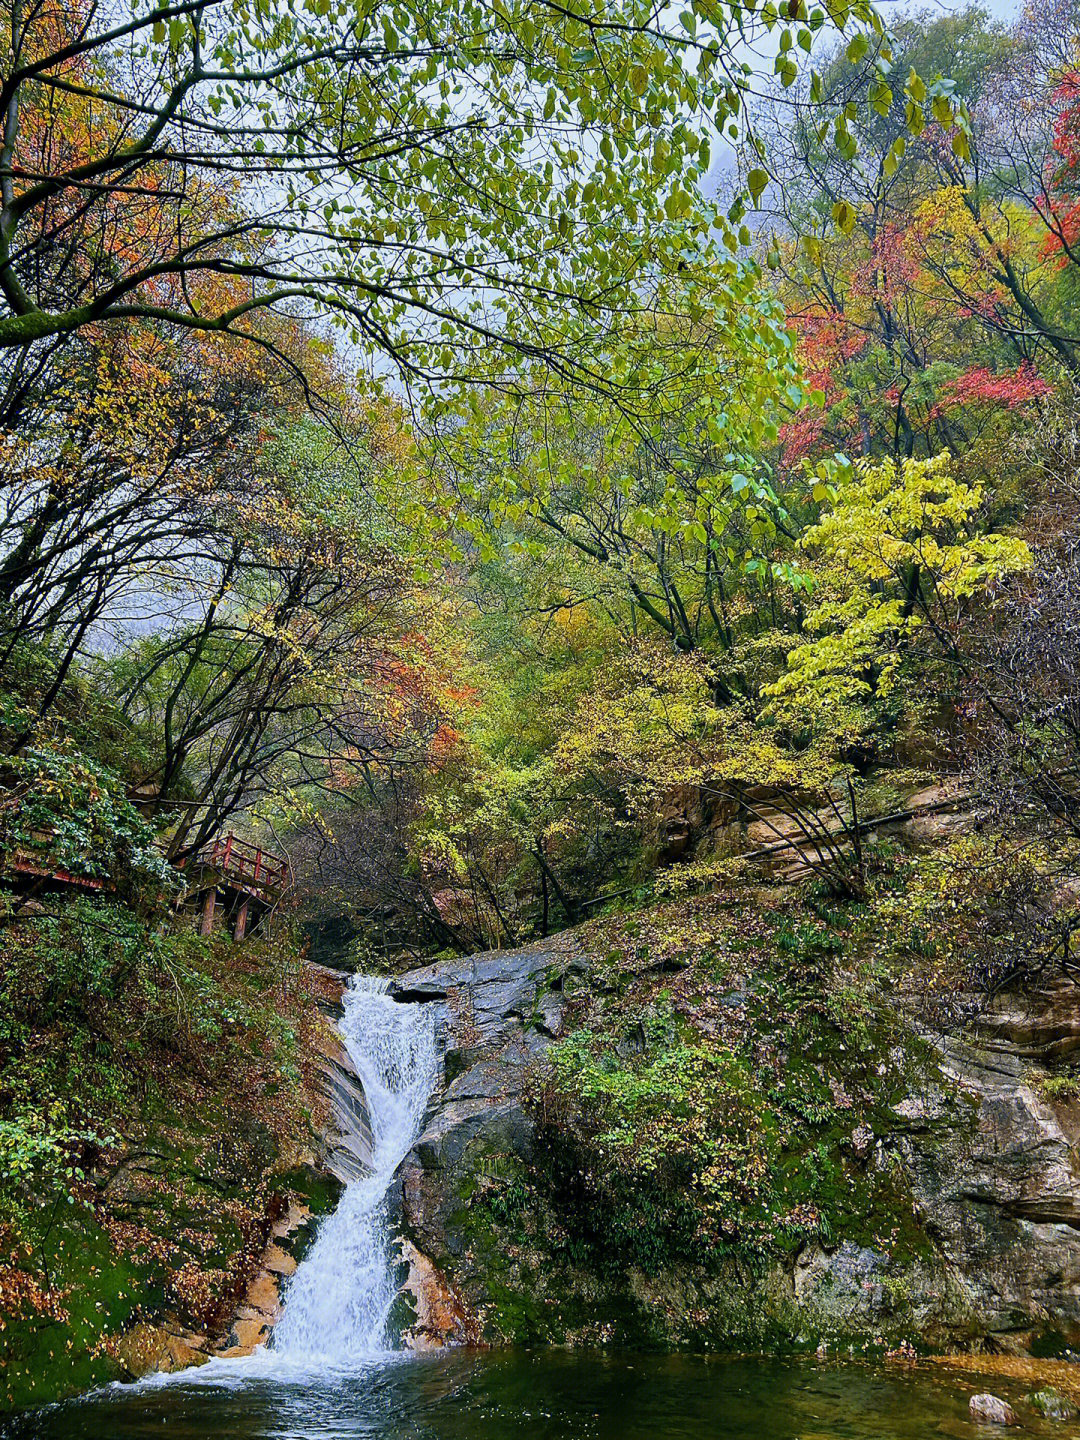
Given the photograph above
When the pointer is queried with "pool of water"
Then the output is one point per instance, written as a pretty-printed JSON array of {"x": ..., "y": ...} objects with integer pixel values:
[{"x": 549, "y": 1395}]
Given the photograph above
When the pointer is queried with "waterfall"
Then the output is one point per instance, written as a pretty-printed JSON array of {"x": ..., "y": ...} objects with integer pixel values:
[{"x": 338, "y": 1301}]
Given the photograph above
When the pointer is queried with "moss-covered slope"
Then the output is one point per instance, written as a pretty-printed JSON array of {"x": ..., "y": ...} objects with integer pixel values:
[{"x": 157, "y": 1104}]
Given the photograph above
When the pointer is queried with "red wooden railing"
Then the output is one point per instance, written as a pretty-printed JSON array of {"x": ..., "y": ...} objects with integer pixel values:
[
  {"x": 35, "y": 863},
  {"x": 246, "y": 865}
]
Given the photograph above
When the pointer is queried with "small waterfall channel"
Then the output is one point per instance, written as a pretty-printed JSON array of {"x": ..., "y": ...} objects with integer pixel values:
[{"x": 338, "y": 1301}]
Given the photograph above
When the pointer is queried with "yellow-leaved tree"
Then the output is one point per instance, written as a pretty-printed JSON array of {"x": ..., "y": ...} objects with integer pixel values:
[{"x": 901, "y": 552}]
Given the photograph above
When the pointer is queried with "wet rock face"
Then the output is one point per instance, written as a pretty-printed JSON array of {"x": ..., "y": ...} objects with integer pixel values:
[
  {"x": 987, "y": 1155},
  {"x": 494, "y": 1014},
  {"x": 261, "y": 1307},
  {"x": 347, "y": 1131},
  {"x": 346, "y": 1124},
  {"x": 999, "y": 1195},
  {"x": 170, "y": 1346},
  {"x": 438, "y": 1318}
]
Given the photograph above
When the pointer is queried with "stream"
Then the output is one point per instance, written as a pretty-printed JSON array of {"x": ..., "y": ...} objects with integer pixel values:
[{"x": 328, "y": 1372}]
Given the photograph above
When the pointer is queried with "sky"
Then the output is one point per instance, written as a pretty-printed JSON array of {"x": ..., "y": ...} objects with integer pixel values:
[
  {"x": 765, "y": 46},
  {"x": 1002, "y": 9}
]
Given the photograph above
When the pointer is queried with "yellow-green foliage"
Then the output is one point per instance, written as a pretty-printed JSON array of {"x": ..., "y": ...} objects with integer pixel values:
[
  {"x": 901, "y": 547},
  {"x": 651, "y": 722},
  {"x": 687, "y": 1117},
  {"x": 719, "y": 1060},
  {"x": 964, "y": 916}
]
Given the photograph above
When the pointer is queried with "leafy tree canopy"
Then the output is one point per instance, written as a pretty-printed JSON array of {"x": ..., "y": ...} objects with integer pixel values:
[{"x": 468, "y": 187}]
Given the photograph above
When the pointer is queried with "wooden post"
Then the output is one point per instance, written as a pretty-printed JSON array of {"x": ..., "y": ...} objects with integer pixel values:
[
  {"x": 258, "y": 863},
  {"x": 207, "y": 926},
  {"x": 241, "y": 921}
]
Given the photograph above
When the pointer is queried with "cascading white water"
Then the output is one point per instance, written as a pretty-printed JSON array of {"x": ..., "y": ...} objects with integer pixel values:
[{"x": 338, "y": 1302}]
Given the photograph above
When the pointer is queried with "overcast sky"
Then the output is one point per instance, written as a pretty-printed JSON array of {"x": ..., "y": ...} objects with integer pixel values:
[{"x": 1003, "y": 9}]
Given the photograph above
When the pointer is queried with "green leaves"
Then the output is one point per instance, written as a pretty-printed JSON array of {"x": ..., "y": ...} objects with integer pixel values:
[
  {"x": 787, "y": 70},
  {"x": 471, "y": 189},
  {"x": 880, "y": 96},
  {"x": 916, "y": 87},
  {"x": 756, "y": 182}
]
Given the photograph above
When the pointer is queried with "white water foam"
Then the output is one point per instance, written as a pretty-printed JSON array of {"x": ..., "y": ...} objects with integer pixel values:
[{"x": 338, "y": 1302}]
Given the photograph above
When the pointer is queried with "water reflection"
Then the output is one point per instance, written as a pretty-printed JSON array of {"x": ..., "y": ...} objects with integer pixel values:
[{"x": 547, "y": 1395}]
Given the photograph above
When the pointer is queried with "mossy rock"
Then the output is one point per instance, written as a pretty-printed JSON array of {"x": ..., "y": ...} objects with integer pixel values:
[
  {"x": 316, "y": 1188},
  {"x": 1052, "y": 1405},
  {"x": 43, "y": 1358}
]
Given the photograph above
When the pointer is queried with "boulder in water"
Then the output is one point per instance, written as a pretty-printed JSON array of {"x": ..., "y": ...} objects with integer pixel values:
[
  {"x": 990, "y": 1410},
  {"x": 145, "y": 1349},
  {"x": 1051, "y": 1405}
]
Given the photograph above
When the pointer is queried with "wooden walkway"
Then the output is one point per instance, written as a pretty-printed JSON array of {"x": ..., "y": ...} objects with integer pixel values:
[
  {"x": 34, "y": 866},
  {"x": 246, "y": 867},
  {"x": 251, "y": 880},
  {"x": 244, "y": 872}
]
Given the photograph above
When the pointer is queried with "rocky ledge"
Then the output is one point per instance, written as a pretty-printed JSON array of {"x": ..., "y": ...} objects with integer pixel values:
[{"x": 984, "y": 1148}]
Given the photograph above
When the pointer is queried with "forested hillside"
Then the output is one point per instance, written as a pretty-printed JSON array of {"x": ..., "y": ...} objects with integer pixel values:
[{"x": 475, "y": 472}]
